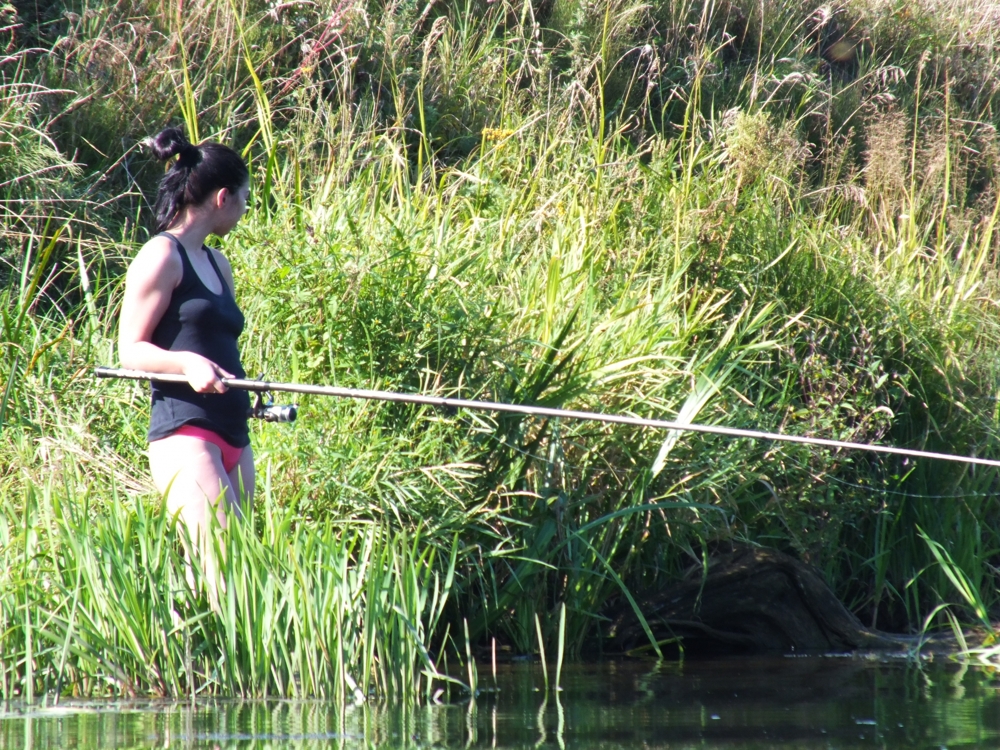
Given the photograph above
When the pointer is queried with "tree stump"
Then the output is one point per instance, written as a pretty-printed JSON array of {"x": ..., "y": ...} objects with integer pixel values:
[{"x": 752, "y": 600}]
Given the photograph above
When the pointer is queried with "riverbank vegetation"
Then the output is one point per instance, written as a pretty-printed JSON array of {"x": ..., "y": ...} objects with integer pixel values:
[{"x": 766, "y": 215}]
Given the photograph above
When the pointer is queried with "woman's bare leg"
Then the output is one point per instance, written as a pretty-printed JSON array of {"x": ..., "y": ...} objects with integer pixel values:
[
  {"x": 188, "y": 471},
  {"x": 243, "y": 480}
]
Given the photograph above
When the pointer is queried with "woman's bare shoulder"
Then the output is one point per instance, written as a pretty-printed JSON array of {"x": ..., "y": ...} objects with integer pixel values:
[{"x": 158, "y": 258}]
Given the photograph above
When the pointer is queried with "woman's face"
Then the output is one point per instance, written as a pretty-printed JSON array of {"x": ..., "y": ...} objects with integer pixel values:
[{"x": 231, "y": 207}]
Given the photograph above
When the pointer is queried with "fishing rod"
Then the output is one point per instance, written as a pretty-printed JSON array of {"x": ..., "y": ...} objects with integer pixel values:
[{"x": 288, "y": 413}]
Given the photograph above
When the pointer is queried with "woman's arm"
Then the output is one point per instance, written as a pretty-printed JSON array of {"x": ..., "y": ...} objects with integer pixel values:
[{"x": 151, "y": 279}]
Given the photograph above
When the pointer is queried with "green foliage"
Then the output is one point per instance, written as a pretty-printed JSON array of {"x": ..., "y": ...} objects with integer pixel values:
[{"x": 318, "y": 610}]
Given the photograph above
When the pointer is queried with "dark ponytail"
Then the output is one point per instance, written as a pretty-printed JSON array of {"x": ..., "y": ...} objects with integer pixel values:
[{"x": 197, "y": 173}]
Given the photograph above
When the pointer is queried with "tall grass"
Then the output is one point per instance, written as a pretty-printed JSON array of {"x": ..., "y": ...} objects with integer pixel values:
[
  {"x": 752, "y": 213},
  {"x": 110, "y": 604}
]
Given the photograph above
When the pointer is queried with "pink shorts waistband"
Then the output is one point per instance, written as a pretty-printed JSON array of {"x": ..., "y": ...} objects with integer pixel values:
[{"x": 230, "y": 453}]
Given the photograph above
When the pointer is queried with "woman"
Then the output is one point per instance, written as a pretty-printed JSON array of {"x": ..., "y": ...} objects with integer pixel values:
[{"x": 179, "y": 315}]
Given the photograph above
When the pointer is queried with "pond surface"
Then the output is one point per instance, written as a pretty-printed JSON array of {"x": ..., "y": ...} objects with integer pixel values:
[{"x": 805, "y": 702}]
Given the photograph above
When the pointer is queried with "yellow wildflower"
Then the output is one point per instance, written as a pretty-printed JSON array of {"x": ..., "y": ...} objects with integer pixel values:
[{"x": 497, "y": 134}]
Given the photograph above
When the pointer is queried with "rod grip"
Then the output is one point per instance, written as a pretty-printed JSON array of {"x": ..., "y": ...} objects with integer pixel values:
[{"x": 117, "y": 372}]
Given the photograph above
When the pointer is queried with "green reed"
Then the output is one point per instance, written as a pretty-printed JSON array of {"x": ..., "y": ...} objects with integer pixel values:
[
  {"x": 741, "y": 222},
  {"x": 109, "y": 604}
]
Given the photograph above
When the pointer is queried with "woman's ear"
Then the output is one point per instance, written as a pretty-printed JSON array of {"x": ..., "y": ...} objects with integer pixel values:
[{"x": 221, "y": 197}]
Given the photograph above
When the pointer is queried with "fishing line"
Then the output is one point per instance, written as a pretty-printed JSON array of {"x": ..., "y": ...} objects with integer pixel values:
[
  {"x": 575, "y": 465},
  {"x": 259, "y": 386},
  {"x": 910, "y": 495},
  {"x": 563, "y": 439},
  {"x": 566, "y": 439},
  {"x": 896, "y": 493},
  {"x": 829, "y": 478}
]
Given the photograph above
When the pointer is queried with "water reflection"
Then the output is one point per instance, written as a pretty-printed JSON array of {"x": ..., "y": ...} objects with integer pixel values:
[{"x": 742, "y": 703}]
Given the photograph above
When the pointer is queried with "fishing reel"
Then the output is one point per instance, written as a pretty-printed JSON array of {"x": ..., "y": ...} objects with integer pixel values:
[{"x": 272, "y": 412}]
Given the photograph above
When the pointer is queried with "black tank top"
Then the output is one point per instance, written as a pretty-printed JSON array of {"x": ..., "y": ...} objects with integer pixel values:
[{"x": 198, "y": 320}]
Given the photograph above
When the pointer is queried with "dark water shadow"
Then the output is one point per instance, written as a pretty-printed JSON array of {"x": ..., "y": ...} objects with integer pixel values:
[{"x": 806, "y": 702}]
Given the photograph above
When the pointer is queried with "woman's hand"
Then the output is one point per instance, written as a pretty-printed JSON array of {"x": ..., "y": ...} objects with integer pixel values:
[{"x": 203, "y": 374}]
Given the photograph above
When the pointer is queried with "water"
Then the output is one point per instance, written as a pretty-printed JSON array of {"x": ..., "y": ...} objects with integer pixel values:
[{"x": 814, "y": 702}]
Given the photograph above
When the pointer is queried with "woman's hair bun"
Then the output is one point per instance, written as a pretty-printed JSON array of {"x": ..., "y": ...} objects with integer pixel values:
[
  {"x": 198, "y": 171},
  {"x": 170, "y": 142}
]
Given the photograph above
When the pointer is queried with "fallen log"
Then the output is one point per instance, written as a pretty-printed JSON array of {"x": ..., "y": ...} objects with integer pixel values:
[{"x": 750, "y": 600}]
